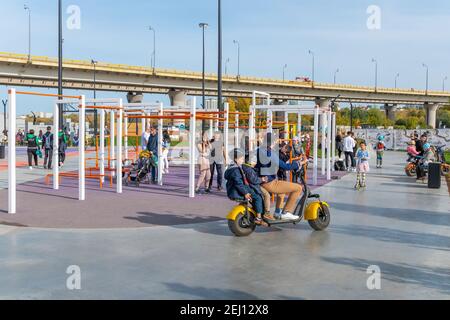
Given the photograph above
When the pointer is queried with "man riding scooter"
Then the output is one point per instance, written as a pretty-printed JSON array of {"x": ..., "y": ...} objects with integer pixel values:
[{"x": 268, "y": 164}]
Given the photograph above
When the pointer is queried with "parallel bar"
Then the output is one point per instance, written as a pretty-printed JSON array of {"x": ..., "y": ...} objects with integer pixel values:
[
  {"x": 81, "y": 151},
  {"x": 12, "y": 192},
  {"x": 119, "y": 149},
  {"x": 55, "y": 157}
]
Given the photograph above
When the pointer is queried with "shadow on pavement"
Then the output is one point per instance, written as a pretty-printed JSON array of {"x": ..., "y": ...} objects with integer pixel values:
[
  {"x": 433, "y": 278},
  {"x": 416, "y": 239},
  {"x": 210, "y": 293},
  {"x": 410, "y": 215}
]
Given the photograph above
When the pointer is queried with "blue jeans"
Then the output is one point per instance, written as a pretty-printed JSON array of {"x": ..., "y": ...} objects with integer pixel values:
[
  {"x": 257, "y": 202},
  {"x": 154, "y": 169}
]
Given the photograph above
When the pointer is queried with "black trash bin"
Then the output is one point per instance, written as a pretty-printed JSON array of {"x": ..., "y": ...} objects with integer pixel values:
[
  {"x": 434, "y": 175},
  {"x": 2, "y": 151}
]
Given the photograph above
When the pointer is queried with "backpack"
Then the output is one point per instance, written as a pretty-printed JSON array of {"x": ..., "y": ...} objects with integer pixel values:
[
  {"x": 339, "y": 165},
  {"x": 380, "y": 146},
  {"x": 48, "y": 141}
]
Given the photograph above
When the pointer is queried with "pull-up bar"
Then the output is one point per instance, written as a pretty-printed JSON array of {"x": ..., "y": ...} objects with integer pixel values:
[{"x": 29, "y": 93}]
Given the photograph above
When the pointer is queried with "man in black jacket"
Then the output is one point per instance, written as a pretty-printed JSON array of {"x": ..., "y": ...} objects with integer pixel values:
[
  {"x": 47, "y": 146},
  {"x": 152, "y": 146}
]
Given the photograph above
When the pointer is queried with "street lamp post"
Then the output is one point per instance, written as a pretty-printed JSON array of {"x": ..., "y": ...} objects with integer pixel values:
[
  {"x": 239, "y": 57},
  {"x": 313, "y": 64},
  {"x": 219, "y": 58},
  {"x": 27, "y": 8},
  {"x": 427, "y": 77},
  {"x": 284, "y": 71},
  {"x": 335, "y": 75},
  {"x": 443, "y": 83},
  {"x": 396, "y": 79},
  {"x": 94, "y": 63},
  {"x": 226, "y": 66},
  {"x": 60, "y": 63},
  {"x": 154, "y": 48},
  {"x": 203, "y": 26},
  {"x": 376, "y": 73}
]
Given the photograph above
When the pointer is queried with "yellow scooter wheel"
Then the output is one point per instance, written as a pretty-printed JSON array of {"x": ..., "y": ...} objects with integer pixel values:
[
  {"x": 323, "y": 218},
  {"x": 240, "y": 227}
]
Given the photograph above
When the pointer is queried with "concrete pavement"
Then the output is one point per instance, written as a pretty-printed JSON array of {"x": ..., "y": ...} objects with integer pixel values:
[{"x": 397, "y": 225}]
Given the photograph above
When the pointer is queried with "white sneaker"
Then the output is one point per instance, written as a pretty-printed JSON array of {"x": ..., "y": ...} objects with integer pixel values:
[
  {"x": 31, "y": 168},
  {"x": 289, "y": 216}
]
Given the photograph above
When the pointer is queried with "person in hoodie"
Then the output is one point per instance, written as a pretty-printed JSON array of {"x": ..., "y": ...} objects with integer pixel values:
[
  {"x": 240, "y": 187},
  {"x": 32, "y": 148}
]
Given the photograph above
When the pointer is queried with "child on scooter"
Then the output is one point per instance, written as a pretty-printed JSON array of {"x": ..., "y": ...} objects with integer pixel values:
[
  {"x": 362, "y": 164},
  {"x": 412, "y": 151},
  {"x": 239, "y": 187}
]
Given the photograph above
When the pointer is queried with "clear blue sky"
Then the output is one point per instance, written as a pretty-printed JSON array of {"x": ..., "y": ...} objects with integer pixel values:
[{"x": 272, "y": 33}]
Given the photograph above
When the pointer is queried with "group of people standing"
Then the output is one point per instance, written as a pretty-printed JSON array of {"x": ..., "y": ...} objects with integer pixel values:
[
  {"x": 420, "y": 149},
  {"x": 43, "y": 146}
]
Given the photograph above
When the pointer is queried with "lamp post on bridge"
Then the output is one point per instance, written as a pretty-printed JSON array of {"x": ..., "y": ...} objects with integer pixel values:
[
  {"x": 239, "y": 57},
  {"x": 335, "y": 75},
  {"x": 154, "y": 48},
  {"x": 443, "y": 83},
  {"x": 313, "y": 65},
  {"x": 27, "y": 8},
  {"x": 427, "y": 77},
  {"x": 396, "y": 79},
  {"x": 376, "y": 73},
  {"x": 226, "y": 66},
  {"x": 284, "y": 71}
]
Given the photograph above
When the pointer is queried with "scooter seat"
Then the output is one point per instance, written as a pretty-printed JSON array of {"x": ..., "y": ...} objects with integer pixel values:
[{"x": 314, "y": 196}]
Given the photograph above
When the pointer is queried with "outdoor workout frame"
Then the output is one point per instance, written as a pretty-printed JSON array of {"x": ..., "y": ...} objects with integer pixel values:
[{"x": 328, "y": 137}]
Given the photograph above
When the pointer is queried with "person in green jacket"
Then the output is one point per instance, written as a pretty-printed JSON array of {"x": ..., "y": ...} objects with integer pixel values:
[
  {"x": 62, "y": 138},
  {"x": 32, "y": 148}
]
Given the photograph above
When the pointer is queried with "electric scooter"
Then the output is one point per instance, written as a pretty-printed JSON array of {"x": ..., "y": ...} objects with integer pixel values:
[{"x": 241, "y": 220}]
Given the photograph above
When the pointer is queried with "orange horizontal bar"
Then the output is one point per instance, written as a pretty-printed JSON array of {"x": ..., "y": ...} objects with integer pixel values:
[
  {"x": 160, "y": 117},
  {"x": 104, "y": 107},
  {"x": 45, "y": 94},
  {"x": 210, "y": 118}
]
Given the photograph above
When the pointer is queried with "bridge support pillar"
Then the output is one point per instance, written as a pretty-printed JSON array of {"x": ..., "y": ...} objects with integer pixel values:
[
  {"x": 178, "y": 98},
  {"x": 390, "y": 111},
  {"x": 431, "y": 110},
  {"x": 135, "y": 97}
]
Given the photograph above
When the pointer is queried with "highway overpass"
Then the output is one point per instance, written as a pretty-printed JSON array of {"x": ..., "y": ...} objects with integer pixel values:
[{"x": 16, "y": 70}]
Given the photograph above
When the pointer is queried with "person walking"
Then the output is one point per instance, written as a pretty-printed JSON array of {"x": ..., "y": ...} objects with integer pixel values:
[
  {"x": 62, "y": 139},
  {"x": 204, "y": 149},
  {"x": 363, "y": 157},
  {"x": 339, "y": 144},
  {"x": 217, "y": 160},
  {"x": 165, "y": 152},
  {"x": 32, "y": 148},
  {"x": 47, "y": 147},
  {"x": 349, "y": 146},
  {"x": 152, "y": 146}
]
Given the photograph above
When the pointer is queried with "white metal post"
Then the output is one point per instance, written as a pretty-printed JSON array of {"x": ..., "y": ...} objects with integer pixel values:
[
  {"x": 251, "y": 129},
  {"x": 299, "y": 125},
  {"x": 333, "y": 141},
  {"x": 119, "y": 148},
  {"x": 12, "y": 151},
  {"x": 329, "y": 143},
  {"x": 160, "y": 142},
  {"x": 236, "y": 131},
  {"x": 125, "y": 125},
  {"x": 270, "y": 121},
  {"x": 102, "y": 144},
  {"x": 192, "y": 133},
  {"x": 226, "y": 130},
  {"x": 55, "y": 157},
  {"x": 323, "y": 118},
  {"x": 211, "y": 129},
  {"x": 81, "y": 151},
  {"x": 316, "y": 146},
  {"x": 286, "y": 125},
  {"x": 112, "y": 134}
]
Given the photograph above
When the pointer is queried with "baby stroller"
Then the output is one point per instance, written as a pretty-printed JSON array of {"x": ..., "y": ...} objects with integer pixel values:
[{"x": 141, "y": 170}]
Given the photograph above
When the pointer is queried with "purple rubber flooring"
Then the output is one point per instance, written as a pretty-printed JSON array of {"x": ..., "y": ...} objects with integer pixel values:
[{"x": 38, "y": 205}]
